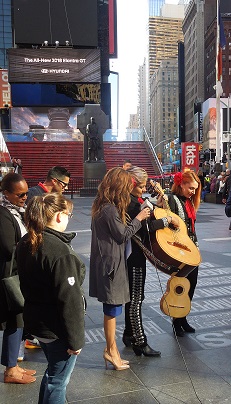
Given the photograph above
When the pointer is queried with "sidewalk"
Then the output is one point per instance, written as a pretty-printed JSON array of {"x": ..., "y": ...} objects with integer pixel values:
[{"x": 194, "y": 369}]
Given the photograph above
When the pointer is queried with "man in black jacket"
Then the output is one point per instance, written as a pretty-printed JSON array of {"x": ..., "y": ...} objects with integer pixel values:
[
  {"x": 57, "y": 180},
  {"x": 226, "y": 189}
]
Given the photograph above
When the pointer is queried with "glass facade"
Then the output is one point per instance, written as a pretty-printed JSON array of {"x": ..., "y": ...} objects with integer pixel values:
[
  {"x": 154, "y": 7},
  {"x": 6, "y": 40}
]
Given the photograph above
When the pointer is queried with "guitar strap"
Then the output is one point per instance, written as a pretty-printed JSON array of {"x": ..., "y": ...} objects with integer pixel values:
[{"x": 150, "y": 255}]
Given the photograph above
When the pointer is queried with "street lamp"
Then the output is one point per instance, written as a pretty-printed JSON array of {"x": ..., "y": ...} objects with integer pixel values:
[
  {"x": 162, "y": 141},
  {"x": 159, "y": 120}
]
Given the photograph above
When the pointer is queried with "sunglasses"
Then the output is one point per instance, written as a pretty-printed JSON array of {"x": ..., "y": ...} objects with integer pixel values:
[
  {"x": 64, "y": 184},
  {"x": 20, "y": 195}
]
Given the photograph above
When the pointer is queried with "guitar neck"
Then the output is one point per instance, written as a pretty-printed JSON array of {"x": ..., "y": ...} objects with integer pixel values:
[{"x": 158, "y": 189}]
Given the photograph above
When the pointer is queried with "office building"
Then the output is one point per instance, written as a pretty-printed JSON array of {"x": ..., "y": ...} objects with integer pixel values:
[
  {"x": 164, "y": 106},
  {"x": 193, "y": 28},
  {"x": 143, "y": 113},
  {"x": 154, "y": 7},
  {"x": 164, "y": 34},
  {"x": 6, "y": 40}
]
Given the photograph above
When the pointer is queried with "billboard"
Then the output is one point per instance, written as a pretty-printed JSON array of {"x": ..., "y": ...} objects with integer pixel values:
[
  {"x": 54, "y": 65},
  {"x": 44, "y": 124},
  {"x": 50, "y": 94},
  {"x": 75, "y": 21},
  {"x": 5, "y": 95},
  {"x": 112, "y": 25},
  {"x": 190, "y": 156}
]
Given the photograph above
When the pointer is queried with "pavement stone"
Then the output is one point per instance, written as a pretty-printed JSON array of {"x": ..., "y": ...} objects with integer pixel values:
[{"x": 194, "y": 369}]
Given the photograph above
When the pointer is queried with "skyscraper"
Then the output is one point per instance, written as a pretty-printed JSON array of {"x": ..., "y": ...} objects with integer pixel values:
[
  {"x": 154, "y": 7},
  {"x": 6, "y": 31}
]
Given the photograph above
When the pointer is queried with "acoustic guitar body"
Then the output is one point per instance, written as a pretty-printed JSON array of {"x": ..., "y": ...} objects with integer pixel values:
[
  {"x": 176, "y": 302},
  {"x": 173, "y": 246}
]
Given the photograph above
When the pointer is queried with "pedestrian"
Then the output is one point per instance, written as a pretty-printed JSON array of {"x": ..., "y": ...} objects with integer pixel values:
[
  {"x": 127, "y": 164},
  {"x": 12, "y": 228},
  {"x": 17, "y": 164},
  {"x": 51, "y": 278},
  {"x": 57, "y": 180},
  {"x": 108, "y": 270},
  {"x": 226, "y": 188}
]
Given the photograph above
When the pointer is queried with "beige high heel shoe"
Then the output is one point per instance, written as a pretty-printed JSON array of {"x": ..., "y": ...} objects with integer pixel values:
[
  {"x": 108, "y": 358},
  {"x": 124, "y": 361}
]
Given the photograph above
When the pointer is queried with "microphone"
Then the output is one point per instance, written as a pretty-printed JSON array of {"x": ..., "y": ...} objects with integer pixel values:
[{"x": 147, "y": 204}]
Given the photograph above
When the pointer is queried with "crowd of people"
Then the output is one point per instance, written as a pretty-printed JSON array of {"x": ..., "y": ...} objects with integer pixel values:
[
  {"x": 32, "y": 237},
  {"x": 215, "y": 184}
]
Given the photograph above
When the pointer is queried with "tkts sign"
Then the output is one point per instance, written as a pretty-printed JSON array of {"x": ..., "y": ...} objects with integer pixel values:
[
  {"x": 5, "y": 96},
  {"x": 190, "y": 156}
]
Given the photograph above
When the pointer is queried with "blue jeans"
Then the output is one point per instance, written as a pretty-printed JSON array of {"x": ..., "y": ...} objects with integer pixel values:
[
  {"x": 58, "y": 372},
  {"x": 12, "y": 338}
]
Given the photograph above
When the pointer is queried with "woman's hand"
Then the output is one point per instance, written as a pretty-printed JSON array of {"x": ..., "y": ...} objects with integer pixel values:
[
  {"x": 144, "y": 214},
  {"x": 70, "y": 352},
  {"x": 161, "y": 201},
  {"x": 174, "y": 221}
]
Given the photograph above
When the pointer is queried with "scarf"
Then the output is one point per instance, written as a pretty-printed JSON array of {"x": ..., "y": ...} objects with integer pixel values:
[
  {"x": 17, "y": 212},
  {"x": 190, "y": 210}
]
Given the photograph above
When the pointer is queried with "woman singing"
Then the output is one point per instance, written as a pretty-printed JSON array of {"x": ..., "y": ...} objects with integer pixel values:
[{"x": 108, "y": 269}]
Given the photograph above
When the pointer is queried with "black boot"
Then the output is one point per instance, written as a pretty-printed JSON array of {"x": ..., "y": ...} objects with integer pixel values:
[
  {"x": 177, "y": 329},
  {"x": 186, "y": 327},
  {"x": 145, "y": 350},
  {"x": 127, "y": 340}
]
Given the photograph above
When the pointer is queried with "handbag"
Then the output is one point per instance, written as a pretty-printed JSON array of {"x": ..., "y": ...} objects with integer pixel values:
[{"x": 11, "y": 286}]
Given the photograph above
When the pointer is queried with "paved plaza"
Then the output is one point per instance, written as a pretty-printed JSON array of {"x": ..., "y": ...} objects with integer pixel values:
[{"x": 194, "y": 369}]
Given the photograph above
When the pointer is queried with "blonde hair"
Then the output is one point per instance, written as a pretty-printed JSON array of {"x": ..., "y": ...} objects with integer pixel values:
[
  {"x": 40, "y": 212},
  {"x": 138, "y": 174},
  {"x": 115, "y": 188}
]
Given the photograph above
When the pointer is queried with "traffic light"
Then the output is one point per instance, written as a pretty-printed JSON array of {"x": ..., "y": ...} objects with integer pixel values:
[
  {"x": 159, "y": 155},
  {"x": 200, "y": 147}
]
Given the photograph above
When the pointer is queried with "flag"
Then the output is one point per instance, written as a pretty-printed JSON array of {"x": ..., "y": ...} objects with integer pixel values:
[{"x": 221, "y": 42}]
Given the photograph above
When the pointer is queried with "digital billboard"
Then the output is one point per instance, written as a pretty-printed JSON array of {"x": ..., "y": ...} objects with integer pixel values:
[
  {"x": 75, "y": 21},
  {"x": 50, "y": 94},
  {"x": 54, "y": 65}
]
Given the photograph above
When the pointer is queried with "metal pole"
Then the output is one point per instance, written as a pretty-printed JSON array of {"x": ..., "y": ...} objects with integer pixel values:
[
  {"x": 218, "y": 90},
  {"x": 228, "y": 129}
]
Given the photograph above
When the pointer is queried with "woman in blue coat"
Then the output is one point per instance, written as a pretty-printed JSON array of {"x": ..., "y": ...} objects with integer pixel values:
[{"x": 110, "y": 237}]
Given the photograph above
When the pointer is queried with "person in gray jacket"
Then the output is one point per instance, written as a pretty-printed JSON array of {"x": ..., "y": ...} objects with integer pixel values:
[{"x": 109, "y": 246}]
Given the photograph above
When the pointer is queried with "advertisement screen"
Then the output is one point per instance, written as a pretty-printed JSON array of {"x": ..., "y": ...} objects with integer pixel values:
[
  {"x": 5, "y": 96},
  {"x": 44, "y": 124},
  {"x": 49, "y": 94},
  {"x": 54, "y": 65},
  {"x": 75, "y": 21}
]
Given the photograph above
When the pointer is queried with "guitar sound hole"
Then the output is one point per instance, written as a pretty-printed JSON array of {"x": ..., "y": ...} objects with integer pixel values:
[
  {"x": 179, "y": 245},
  {"x": 179, "y": 290}
]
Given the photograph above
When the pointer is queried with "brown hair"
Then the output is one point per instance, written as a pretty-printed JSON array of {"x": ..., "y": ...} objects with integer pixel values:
[
  {"x": 188, "y": 176},
  {"x": 115, "y": 188},
  {"x": 40, "y": 212}
]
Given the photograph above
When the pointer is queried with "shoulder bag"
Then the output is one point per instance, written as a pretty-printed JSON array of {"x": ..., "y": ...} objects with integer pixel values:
[{"x": 11, "y": 286}]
